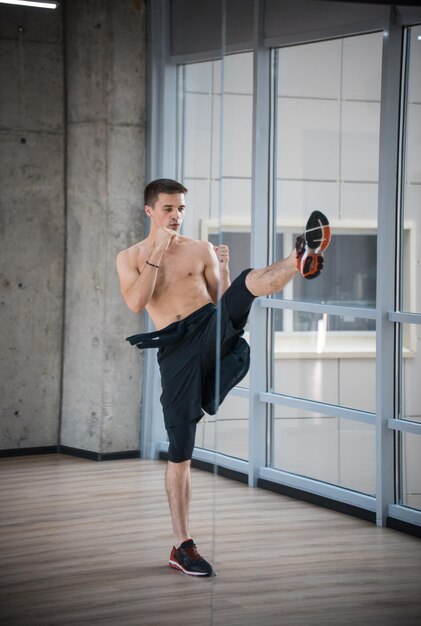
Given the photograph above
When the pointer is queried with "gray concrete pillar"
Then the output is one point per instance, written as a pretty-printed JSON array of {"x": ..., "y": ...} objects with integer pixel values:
[
  {"x": 105, "y": 178},
  {"x": 31, "y": 226}
]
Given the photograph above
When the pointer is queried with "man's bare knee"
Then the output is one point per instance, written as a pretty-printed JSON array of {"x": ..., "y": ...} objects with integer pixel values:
[
  {"x": 250, "y": 282},
  {"x": 178, "y": 468}
]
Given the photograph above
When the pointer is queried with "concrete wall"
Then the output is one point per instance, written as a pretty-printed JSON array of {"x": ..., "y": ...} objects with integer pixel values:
[
  {"x": 106, "y": 135},
  {"x": 32, "y": 226},
  {"x": 72, "y": 125}
]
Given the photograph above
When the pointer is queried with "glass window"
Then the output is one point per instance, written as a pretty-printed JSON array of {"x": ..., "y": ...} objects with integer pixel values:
[
  {"x": 323, "y": 150},
  {"x": 411, "y": 265},
  {"x": 330, "y": 449},
  {"x": 203, "y": 161},
  {"x": 410, "y": 365},
  {"x": 227, "y": 432},
  {"x": 324, "y": 366},
  {"x": 411, "y": 470},
  {"x": 327, "y": 150},
  {"x": 410, "y": 278},
  {"x": 239, "y": 247},
  {"x": 216, "y": 106},
  {"x": 349, "y": 274},
  {"x": 326, "y": 138}
]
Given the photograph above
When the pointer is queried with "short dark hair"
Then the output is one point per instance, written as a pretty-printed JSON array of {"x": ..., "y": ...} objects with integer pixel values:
[{"x": 161, "y": 185}]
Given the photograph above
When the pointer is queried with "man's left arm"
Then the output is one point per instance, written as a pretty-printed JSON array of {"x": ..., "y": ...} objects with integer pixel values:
[
  {"x": 217, "y": 271},
  {"x": 223, "y": 255}
]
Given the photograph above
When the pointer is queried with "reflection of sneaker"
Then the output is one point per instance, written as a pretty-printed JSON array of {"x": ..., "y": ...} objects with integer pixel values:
[
  {"x": 311, "y": 245},
  {"x": 187, "y": 559}
]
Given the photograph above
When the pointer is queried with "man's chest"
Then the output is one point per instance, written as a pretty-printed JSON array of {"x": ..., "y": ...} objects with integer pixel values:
[{"x": 181, "y": 265}]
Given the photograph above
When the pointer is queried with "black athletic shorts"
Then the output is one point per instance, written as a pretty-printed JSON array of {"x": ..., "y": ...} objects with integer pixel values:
[
  {"x": 187, "y": 360},
  {"x": 181, "y": 441}
]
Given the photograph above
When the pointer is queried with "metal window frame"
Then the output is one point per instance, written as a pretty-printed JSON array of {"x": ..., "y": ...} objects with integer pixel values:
[
  {"x": 399, "y": 425},
  {"x": 260, "y": 220},
  {"x": 386, "y": 266}
]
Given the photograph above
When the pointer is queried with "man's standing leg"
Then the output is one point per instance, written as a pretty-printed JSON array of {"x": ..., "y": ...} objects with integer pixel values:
[
  {"x": 178, "y": 487},
  {"x": 185, "y": 557}
]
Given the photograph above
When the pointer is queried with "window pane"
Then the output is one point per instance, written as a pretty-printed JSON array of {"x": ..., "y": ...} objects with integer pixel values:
[
  {"x": 411, "y": 470},
  {"x": 197, "y": 85},
  {"x": 411, "y": 247},
  {"x": 348, "y": 279},
  {"x": 324, "y": 365},
  {"x": 218, "y": 177},
  {"x": 330, "y": 449},
  {"x": 349, "y": 274},
  {"x": 200, "y": 166},
  {"x": 327, "y": 150},
  {"x": 411, "y": 372},
  {"x": 227, "y": 432},
  {"x": 239, "y": 247}
]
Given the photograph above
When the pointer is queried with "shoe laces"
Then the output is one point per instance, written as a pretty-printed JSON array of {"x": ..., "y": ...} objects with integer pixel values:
[{"x": 192, "y": 553}]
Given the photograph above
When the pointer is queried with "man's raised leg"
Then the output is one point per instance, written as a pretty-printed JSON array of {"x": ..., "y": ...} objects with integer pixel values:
[
  {"x": 272, "y": 278},
  {"x": 306, "y": 258}
]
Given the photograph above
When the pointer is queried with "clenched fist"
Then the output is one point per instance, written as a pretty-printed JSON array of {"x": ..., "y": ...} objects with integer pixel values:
[
  {"x": 163, "y": 238},
  {"x": 223, "y": 254}
]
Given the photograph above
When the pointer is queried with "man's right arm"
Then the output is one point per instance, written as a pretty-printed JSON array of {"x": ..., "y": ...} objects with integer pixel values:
[
  {"x": 138, "y": 277},
  {"x": 137, "y": 284}
]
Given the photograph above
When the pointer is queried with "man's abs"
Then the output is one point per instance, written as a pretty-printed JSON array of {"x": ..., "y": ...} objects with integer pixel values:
[
  {"x": 181, "y": 286},
  {"x": 173, "y": 303}
]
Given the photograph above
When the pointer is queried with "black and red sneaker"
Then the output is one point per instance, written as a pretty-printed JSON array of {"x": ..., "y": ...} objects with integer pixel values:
[
  {"x": 311, "y": 245},
  {"x": 187, "y": 559}
]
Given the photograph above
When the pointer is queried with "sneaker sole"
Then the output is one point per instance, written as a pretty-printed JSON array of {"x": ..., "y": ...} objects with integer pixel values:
[
  {"x": 311, "y": 265},
  {"x": 177, "y": 565},
  {"x": 317, "y": 233}
]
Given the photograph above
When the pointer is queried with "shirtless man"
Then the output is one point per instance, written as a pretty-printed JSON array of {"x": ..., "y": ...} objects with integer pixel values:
[{"x": 178, "y": 281}]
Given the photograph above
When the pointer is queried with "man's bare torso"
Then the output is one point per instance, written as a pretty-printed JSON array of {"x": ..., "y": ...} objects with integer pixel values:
[{"x": 181, "y": 286}]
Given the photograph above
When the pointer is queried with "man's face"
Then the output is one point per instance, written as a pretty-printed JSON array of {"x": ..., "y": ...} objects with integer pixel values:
[{"x": 168, "y": 211}]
